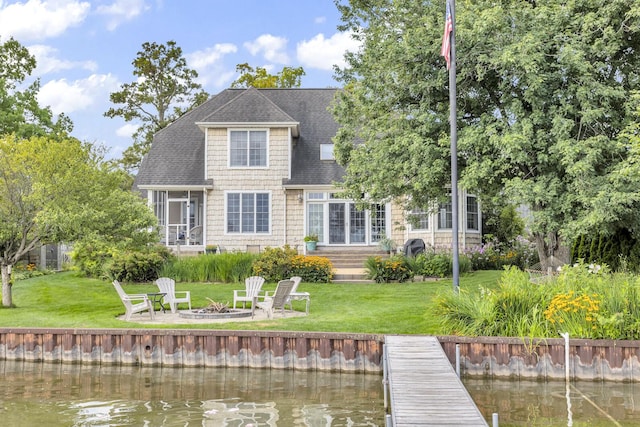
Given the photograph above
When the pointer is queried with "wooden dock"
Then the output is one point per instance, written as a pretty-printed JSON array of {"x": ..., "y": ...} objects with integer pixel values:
[{"x": 423, "y": 386}]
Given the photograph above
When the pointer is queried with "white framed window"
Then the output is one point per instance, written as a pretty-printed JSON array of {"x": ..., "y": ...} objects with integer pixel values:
[
  {"x": 445, "y": 216},
  {"x": 248, "y": 213},
  {"x": 326, "y": 152},
  {"x": 315, "y": 219},
  {"x": 473, "y": 213},
  {"x": 419, "y": 219},
  {"x": 379, "y": 216},
  {"x": 248, "y": 148}
]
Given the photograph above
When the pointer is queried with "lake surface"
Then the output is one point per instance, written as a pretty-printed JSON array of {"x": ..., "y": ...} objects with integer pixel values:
[
  {"x": 52, "y": 395},
  {"x": 34, "y": 394},
  {"x": 531, "y": 403}
]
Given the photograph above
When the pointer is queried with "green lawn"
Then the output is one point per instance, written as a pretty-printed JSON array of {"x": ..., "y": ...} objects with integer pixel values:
[{"x": 66, "y": 300}]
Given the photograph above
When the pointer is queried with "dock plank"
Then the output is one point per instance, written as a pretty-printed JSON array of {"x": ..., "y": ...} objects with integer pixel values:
[{"x": 424, "y": 389}]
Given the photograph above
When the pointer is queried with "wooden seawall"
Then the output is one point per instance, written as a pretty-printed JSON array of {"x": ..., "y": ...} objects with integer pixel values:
[
  {"x": 255, "y": 349},
  {"x": 492, "y": 357},
  {"x": 544, "y": 359}
]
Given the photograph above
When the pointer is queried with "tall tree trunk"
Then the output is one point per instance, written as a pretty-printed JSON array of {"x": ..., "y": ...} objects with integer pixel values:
[
  {"x": 7, "y": 300},
  {"x": 551, "y": 251}
]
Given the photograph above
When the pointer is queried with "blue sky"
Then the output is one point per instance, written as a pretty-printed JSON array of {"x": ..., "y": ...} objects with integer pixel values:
[{"x": 84, "y": 49}]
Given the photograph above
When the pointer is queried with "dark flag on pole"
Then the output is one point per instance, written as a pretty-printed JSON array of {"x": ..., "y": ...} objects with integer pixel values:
[{"x": 446, "y": 38}]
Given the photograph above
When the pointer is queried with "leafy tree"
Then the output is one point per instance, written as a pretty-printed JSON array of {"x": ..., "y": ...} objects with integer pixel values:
[
  {"x": 544, "y": 91},
  {"x": 259, "y": 77},
  {"x": 502, "y": 223},
  {"x": 60, "y": 190},
  {"x": 165, "y": 88},
  {"x": 19, "y": 109}
]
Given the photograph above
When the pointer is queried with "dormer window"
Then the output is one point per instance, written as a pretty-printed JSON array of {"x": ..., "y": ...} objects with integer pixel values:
[
  {"x": 326, "y": 152},
  {"x": 248, "y": 148}
]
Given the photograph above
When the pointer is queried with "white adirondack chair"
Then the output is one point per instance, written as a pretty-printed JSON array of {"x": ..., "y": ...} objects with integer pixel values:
[
  {"x": 278, "y": 300},
  {"x": 294, "y": 295},
  {"x": 252, "y": 289},
  {"x": 167, "y": 286},
  {"x": 134, "y": 303}
]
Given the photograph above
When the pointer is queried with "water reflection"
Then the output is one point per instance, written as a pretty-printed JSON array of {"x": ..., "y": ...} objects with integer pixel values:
[
  {"x": 531, "y": 403},
  {"x": 76, "y": 395}
]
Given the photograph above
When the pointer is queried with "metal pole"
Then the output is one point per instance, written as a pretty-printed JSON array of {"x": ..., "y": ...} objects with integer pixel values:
[
  {"x": 458, "y": 360},
  {"x": 567, "y": 375},
  {"x": 495, "y": 419},
  {"x": 385, "y": 379},
  {"x": 388, "y": 421},
  {"x": 454, "y": 151},
  {"x": 565, "y": 335}
]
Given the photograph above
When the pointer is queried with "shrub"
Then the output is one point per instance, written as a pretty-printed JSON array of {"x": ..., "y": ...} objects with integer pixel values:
[
  {"x": 494, "y": 256},
  {"x": 504, "y": 223},
  {"x": 120, "y": 261},
  {"x": 23, "y": 271},
  {"x": 464, "y": 264},
  {"x": 619, "y": 251},
  {"x": 90, "y": 257},
  {"x": 137, "y": 266},
  {"x": 314, "y": 269},
  {"x": 384, "y": 270},
  {"x": 437, "y": 264},
  {"x": 274, "y": 264}
]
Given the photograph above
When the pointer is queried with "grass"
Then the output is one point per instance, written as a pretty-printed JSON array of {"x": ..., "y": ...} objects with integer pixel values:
[{"x": 67, "y": 300}]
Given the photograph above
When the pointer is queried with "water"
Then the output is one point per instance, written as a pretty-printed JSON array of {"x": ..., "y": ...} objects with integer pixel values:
[
  {"x": 531, "y": 403},
  {"x": 33, "y": 394}
]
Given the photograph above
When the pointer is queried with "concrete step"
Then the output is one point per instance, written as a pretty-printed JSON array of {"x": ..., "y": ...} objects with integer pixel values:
[
  {"x": 350, "y": 275},
  {"x": 349, "y": 257}
]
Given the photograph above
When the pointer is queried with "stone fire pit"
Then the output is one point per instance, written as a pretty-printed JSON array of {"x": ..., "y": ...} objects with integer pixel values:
[{"x": 215, "y": 310}]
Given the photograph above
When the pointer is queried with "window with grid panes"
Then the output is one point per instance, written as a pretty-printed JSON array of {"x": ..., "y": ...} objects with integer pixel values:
[{"x": 248, "y": 148}]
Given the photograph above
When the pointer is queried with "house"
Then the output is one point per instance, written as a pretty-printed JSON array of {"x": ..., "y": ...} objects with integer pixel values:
[{"x": 252, "y": 168}]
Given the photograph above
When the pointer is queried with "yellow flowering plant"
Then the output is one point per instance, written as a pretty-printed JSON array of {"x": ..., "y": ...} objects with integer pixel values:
[{"x": 575, "y": 312}]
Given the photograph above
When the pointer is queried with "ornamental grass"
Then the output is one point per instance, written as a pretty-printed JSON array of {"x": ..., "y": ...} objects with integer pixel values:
[{"x": 585, "y": 301}]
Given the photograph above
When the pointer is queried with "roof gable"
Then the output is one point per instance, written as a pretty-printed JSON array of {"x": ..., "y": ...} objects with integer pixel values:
[
  {"x": 177, "y": 154},
  {"x": 250, "y": 106}
]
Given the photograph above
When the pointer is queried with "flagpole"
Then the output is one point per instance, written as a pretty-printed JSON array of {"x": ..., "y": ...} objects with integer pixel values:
[{"x": 454, "y": 150}]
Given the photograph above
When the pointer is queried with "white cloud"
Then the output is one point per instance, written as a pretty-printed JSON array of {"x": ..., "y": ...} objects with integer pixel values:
[
  {"x": 272, "y": 48},
  {"x": 127, "y": 130},
  {"x": 65, "y": 97},
  {"x": 223, "y": 79},
  {"x": 323, "y": 53},
  {"x": 320, "y": 19},
  {"x": 121, "y": 11},
  {"x": 201, "y": 59},
  {"x": 40, "y": 19},
  {"x": 48, "y": 62},
  {"x": 209, "y": 63}
]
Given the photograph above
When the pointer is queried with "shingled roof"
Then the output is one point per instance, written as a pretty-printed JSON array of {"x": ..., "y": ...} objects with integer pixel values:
[{"x": 176, "y": 157}]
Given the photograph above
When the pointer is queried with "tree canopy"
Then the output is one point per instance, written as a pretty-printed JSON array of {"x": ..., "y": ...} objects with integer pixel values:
[
  {"x": 288, "y": 77},
  {"x": 545, "y": 91},
  {"x": 165, "y": 88},
  {"x": 61, "y": 190},
  {"x": 19, "y": 109},
  {"x": 54, "y": 188}
]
